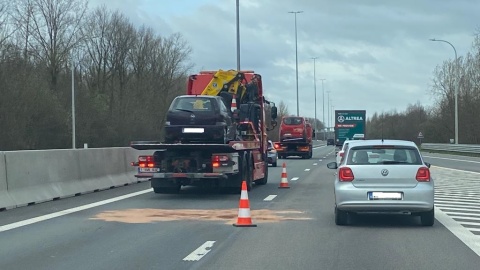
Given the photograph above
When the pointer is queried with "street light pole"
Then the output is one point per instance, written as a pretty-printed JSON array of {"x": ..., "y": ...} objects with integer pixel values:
[
  {"x": 323, "y": 109},
  {"x": 328, "y": 109},
  {"x": 73, "y": 105},
  {"x": 238, "y": 35},
  {"x": 296, "y": 56},
  {"x": 456, "y": 87},
  {"x": 315, "y": 93}
]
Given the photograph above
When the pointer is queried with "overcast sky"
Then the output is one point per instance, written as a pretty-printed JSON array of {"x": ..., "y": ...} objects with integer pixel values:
[{"x": 374, "y": 54}]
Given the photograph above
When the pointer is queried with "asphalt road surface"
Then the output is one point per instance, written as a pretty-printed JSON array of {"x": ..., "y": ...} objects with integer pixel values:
[{"x": 133, "y": 228}]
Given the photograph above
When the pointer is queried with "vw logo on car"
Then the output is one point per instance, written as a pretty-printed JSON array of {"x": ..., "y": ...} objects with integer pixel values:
[{"x": 384, "y": 172}]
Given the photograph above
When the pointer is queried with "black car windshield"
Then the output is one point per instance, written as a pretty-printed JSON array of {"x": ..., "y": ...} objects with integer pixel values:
[
  {"x": 368, "y": 155},
  {"x": 192, "y": 104}
]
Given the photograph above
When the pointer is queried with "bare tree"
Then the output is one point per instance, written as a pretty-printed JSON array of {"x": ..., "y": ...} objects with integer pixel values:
[{"x": 55, "y": 30}]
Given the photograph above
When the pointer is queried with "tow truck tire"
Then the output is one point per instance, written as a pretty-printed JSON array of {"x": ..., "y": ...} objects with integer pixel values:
[
  {"x": 264, "y": 180},
  {"x": 249, "y": 172}
]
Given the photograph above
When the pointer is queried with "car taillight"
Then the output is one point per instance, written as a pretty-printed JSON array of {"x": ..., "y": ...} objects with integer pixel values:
[
  {"x": 423, "y": 174},
  {"x": 277, "y": 146},
  {"x": 341, "y": 154},
  {"x": 345, "y": 174},
  {"x": 146, "y": 162},
  {"x": 220, "y": 160}
]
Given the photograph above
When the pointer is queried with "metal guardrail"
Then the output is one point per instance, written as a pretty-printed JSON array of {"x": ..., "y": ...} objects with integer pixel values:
[{"x": 460, "y": 148}]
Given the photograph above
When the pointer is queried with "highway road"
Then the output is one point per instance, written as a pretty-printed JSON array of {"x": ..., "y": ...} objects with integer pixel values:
[{"x": 133, "y": 228}]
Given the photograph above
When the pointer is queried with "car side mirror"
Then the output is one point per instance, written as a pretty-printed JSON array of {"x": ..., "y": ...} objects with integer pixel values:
[
  {"x": 332, "y": 165},
  {"x": 428, "y": 164},
  {"x": 274, "y": 112}
]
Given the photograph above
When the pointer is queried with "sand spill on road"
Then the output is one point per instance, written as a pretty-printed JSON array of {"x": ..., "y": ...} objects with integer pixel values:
[{"x": 150, "y": 215}]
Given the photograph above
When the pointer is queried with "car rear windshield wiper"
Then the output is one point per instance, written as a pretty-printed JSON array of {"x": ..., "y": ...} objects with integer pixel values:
[
  {"x": 184, "y": 110},
  {"x": 393, "y": 162}
]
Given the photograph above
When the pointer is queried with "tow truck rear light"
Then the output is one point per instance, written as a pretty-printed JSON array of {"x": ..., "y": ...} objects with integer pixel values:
[
  {"x": 423, "y": 174},
  {"x": 345, "y": 174},
  {"x": 220, "y": 160},
  {"x": 277, "y": 146},
  {"x": 146, "y": 162}
]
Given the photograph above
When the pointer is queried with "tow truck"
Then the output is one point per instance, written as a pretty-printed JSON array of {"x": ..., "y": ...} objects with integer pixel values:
[{"x": 216, "y": 165}]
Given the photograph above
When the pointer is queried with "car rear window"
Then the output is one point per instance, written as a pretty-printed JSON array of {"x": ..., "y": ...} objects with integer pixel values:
[
  {"x": 292, "y": 121},
  {"x": 367, "y": 155},
  {"x": 193, "y": 104}
]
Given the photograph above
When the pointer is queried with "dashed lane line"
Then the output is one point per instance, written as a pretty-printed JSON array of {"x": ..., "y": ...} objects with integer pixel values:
[
  {"x": 294, "y": 179},
  {"x": 270, "y": 198},
  {"x": 200, "y": 252}
]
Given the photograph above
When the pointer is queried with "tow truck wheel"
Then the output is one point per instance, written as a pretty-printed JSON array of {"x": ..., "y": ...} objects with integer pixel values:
[
  {"x": 264, "y": 180},
  {"x": 249, "y": 173}
]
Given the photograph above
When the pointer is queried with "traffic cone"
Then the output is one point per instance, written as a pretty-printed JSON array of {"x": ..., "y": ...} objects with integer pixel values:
[
  {"x": 244, "y": 219},
  {"x": 234, "y": 103},
  {"x": 284, "y": 181}
]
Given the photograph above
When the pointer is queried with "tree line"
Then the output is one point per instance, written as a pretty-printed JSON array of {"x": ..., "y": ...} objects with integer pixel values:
[
  {"x": 124, "y": 76},
  {"x": 437, "y": 123}
]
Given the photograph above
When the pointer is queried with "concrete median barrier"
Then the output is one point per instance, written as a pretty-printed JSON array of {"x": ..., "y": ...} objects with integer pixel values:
[
  {"x": 38, "y": 176},
  {"x": 29, "y": 177},
  {"x": 6, "y": 202}
]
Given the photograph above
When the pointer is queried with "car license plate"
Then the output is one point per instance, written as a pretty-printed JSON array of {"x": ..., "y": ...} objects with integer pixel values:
[
  {"x": 385, "y": 195},
  {"x": 148, "y": 170},
  {"x": 193, "y": 130}
]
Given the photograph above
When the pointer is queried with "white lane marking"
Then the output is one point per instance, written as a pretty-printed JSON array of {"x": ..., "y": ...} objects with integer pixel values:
[
  {"x": 319, "y": 160},
  {"x": 307, "y": 170},
  {"x": 270, "y": 198},
  {"x": 454, "y": 169},
  {"x": 198, "y": 253},
  {"x": 315, "y": 164},
  {"x": 69, "y": 211},
  {"x": 294, "y": 179},
  {"x": 454, "y": 159},
  {"x": 466, "y": 236}
]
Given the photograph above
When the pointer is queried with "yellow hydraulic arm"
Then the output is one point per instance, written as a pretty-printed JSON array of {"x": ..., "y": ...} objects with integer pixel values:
[{"x": 226, "y": 80}]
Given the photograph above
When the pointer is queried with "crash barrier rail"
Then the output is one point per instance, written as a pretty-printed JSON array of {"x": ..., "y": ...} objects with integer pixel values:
[
  {"x": 29, "y": 177},
  {"x": 459, "y": 148}
]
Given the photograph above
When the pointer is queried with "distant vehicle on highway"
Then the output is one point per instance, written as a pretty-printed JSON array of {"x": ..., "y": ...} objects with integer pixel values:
[
  {"x": 272, "y": 155},
  {"x": 330, "y": 142},
  {"x": 395, "y": 180}
]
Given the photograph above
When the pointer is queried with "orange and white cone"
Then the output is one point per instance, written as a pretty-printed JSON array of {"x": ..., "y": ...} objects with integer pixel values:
[
  {"x": 244, "y": 218},
  {"x": 284, "y": 181},
  {"x": 234, "y": 103}
]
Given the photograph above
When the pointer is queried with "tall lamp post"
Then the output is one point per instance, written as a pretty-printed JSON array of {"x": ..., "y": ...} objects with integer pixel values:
[
  {"x": 328, "y": 109},
  {"x": 296, "y": 56},
  {"x": 315, "y": 93},
  {"x": 238, "y": 35},
  {"x": 323, "y": 109},
  {"x": 73, "y": 105},
  {"x": 456, "y": 87}
]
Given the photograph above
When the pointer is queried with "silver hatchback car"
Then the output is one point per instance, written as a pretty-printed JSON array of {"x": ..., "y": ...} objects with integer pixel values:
[{"x": 383, "y": 176}]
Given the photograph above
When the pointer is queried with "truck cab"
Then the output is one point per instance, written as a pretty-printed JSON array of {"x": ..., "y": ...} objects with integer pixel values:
[{"x": 295, "y": 128}]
